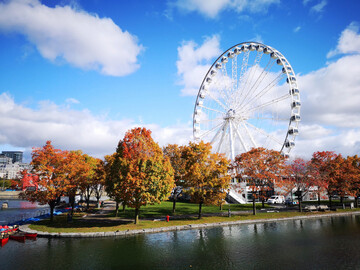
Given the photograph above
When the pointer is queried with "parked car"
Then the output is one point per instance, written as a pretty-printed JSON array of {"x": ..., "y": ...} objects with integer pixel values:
[
  {"x": 289, "y": 201},
  {"x": 276, "y": 199}
]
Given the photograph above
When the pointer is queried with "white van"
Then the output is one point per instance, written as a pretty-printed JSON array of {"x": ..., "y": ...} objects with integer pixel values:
[{"x": 276, "y": 199}]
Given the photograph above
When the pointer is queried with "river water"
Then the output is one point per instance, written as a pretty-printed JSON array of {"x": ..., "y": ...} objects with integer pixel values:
[
  {"x": 20, "y": 210},
  {"x": 326, "y": 243}
]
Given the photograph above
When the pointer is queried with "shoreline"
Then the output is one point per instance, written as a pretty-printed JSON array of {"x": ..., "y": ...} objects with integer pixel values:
[{"x": 26, "y": 229}]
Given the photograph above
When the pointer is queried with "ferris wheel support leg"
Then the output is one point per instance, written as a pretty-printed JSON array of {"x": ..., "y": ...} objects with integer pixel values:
[
  {"x": 251, "y": 137},
  {"x": 232, "y": 152},
  {"x": 241, "y": 139}
]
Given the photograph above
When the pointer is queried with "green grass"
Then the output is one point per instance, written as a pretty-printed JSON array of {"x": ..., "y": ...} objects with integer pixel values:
[
  {"x": 115, "y": 224},
  {"x": 165, "y": 208}
]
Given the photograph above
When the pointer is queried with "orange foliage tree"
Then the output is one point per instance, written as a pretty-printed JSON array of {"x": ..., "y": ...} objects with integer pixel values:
[
  {"x": 260, "y": 168},
  {"x": 142, "y": 174},
  {"x": 355, "y": 187},
  {"x": 98, "y": 182},
  {"x": 174, "y": 153},
  {"x": 206, "y": 174},
  {"x": 321, "y": 169},
  {"x": 46, "y": 162},
  {"x": 302, "y": 178},
  {"x": 75, "y": 170},
  {"x": 112, "y": 181}
]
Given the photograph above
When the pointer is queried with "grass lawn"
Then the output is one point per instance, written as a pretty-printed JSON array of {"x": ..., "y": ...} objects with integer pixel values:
[
  {"x": 165, "y": 208},
  {"x": 79, "y": 225}
]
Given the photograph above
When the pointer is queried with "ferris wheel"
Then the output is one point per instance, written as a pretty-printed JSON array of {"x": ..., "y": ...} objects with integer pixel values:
[{"x": 248, "y": 98}]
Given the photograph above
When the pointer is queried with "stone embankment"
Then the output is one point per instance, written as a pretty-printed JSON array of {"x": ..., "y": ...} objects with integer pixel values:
[
  {"x": 7, "y": 195},
  {"x": 25, "y": 228}
]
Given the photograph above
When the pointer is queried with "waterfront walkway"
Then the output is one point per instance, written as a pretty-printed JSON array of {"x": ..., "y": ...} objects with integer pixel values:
[{"x": 103, "y": 216}]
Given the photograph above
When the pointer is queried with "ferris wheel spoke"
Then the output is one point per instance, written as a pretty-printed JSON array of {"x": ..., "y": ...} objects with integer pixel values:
[
  {"x": 268, "y": 118},
  {"x": 217, "y": 133},
  {"x": 210, "y": 120},
  {"x": 209, "y": 131},
  {"x": 265, "y": 90},
  {"x": 222, "y": 136},
  {"x": 268, "y": 103},
  {"x": 211, "y": 109},
  {"x": 218, "y": 101},
  {"x": 264, "y": 133},
  {"x": 259, "y": 80}
]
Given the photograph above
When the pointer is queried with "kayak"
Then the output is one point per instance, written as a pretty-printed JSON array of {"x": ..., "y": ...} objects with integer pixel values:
[
  {"x": 18, "y": 237},
  {"x": 30, "y": 235},
  {"x": 4, "y": 240}
]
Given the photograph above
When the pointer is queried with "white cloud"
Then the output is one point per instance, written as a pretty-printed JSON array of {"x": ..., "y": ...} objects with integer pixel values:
[
  {"x": 23, "y": 127},
  {"x": 318, "y": 8},
  {"x": 212, "y": 8},
  {"x": 297, "y": 29},
  {"x": 84, "y": 40},
  {"x": 305, "y": 2},
  {"x": 330, "y": 102},
  {"x": 72, "y": 101},
  {"x": 349, "y": 41},
  {"x": 194, "y": 61}
]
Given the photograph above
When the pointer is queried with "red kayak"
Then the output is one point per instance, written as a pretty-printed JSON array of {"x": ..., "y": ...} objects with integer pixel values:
[
  {"x": 31, "y": 235},
  {"x": 4, "y": 240},
  {"x": 18, "y": 237}
]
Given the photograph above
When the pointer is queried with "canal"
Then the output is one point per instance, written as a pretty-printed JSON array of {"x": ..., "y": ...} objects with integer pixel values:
[{"x": 325, "y": 243}]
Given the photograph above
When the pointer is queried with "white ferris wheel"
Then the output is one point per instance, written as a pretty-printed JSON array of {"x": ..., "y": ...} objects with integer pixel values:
[{"x": 248, "y": 98}]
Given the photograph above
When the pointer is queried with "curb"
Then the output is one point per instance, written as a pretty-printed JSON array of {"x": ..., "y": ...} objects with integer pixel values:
[{"x": 26, "y": 229}]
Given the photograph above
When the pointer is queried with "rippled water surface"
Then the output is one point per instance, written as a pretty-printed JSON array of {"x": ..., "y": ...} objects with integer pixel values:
[{"x": 327, "y": 243}]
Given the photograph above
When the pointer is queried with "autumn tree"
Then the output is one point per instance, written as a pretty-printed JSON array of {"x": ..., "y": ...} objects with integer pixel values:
[
  {"x": 143, "y": 175},
  {"x": 302, "y": 178},
  {"x": 112, "y": 181},
  {"x": 206, "y": 174},
  {"x": 174, "y": 153},
  {"x": 260, "y": 168},
  {"x": 321, "y": 169},
  {"x": 355, "y": 187},
  {"x": 75, "y": 170},
  {"x": 98, "y": 182},
  {"x": 46, "y": 162}
]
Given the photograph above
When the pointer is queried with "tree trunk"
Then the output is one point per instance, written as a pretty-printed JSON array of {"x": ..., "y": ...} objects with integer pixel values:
[
  {"x": 300, "y": 203},
  {"x": 98, "y": 202},
  {"x": 52, "y": 207},
  {"x": 88, "y": 194},
  {"x": 72, "y": 203},
  {"x": 319, "y": 202},
  {"x": 357, "y": 201},
  {"x": 116, "y": 209},
  {"x": 254, "y": 205},
  {"x": 200, "y": 207},
  {"x": 174, "y": 205},
  {"x": 330, "y": 201},
  {"x": 341, "y": 199},
  {"x": 221, "y": 206},
  {"x": 263, "y": 203},
  {"x": 136, "y": 215},
  {"x": 123, "y": 205}
]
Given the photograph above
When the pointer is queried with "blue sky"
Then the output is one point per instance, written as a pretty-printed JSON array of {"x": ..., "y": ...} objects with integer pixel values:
[{"x": 81, "y": 73}]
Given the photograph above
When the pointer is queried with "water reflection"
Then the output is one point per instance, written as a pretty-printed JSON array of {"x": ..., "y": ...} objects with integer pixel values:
[{"x": 327, "y": 243}]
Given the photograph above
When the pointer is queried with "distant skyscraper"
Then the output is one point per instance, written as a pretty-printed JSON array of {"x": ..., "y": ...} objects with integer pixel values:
[{"x": 16, "y": 156}]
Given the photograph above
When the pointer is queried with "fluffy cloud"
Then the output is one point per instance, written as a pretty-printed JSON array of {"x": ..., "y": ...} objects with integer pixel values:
[
  {"x": 330, "y": 101},
  {"x": 71, "y": 129},
  {"x": 319, "y": 7},
  {"x": 194, "y": 61},
  {"x": 349, "y": 41},
  {"x": 81, "y": 39},
  {"x": 212, "y": 8}
]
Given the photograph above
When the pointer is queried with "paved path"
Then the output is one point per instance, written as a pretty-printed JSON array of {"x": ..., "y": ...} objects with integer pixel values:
[{"x": 25, "y": 228}]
